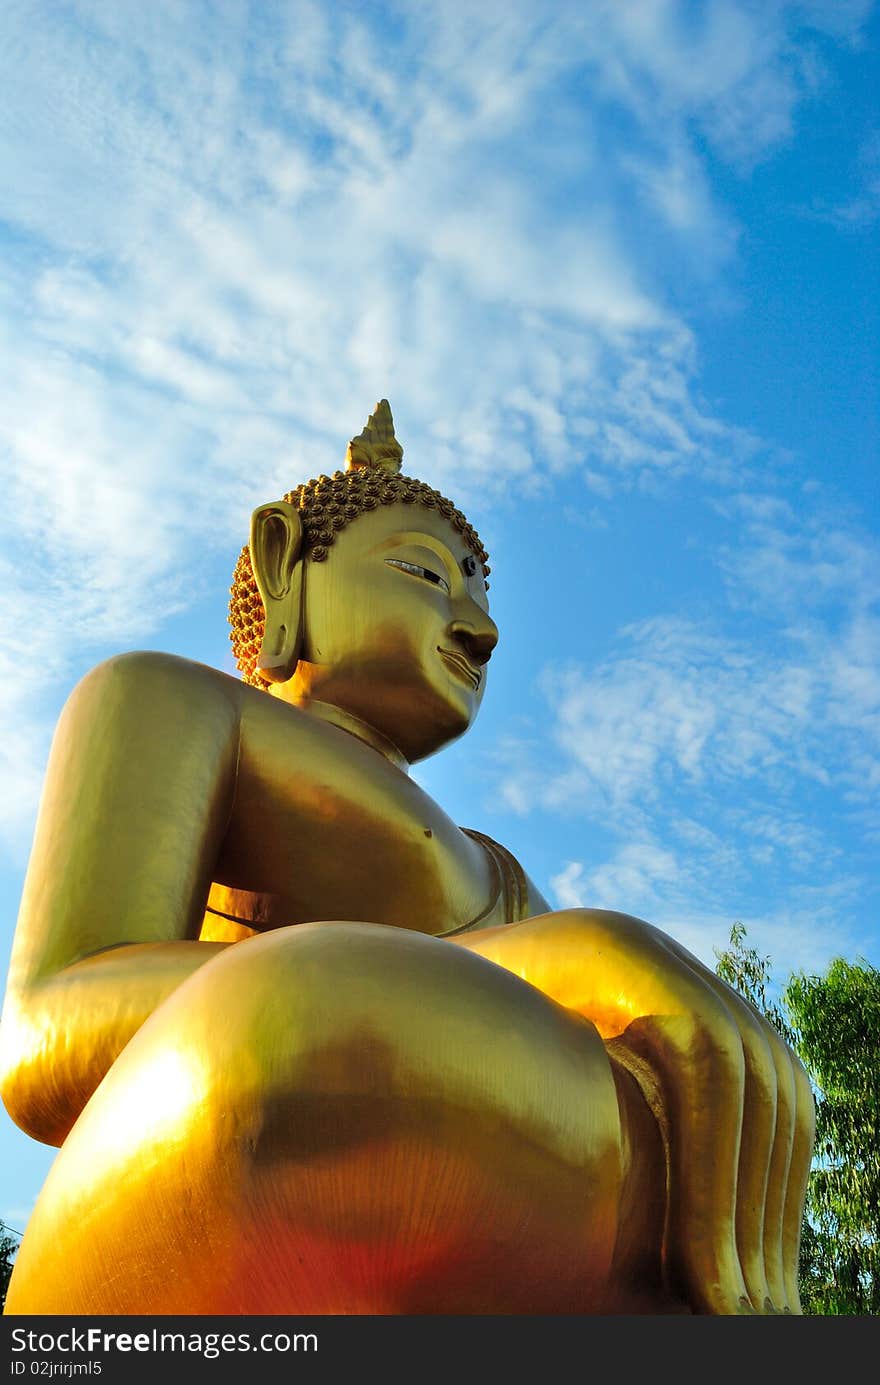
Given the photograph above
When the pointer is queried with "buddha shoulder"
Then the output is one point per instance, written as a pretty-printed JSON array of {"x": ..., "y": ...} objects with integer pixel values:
[
  {"x": 154, "y": 689},
  {"x": 169, "y": 713}
]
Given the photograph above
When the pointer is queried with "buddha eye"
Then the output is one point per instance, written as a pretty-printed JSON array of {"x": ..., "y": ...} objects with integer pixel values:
[{"x": 424, "y": 572}]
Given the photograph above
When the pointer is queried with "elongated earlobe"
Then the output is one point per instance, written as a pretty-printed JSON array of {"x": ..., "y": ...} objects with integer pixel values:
[{"x": 275, "y": 546}]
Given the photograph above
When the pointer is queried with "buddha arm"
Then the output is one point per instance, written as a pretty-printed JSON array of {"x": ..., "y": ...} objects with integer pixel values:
[{"x": 138, "y": 792}]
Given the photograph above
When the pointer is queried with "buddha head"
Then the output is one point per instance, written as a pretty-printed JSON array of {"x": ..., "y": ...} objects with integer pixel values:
[{"x": 366, "y": 591}]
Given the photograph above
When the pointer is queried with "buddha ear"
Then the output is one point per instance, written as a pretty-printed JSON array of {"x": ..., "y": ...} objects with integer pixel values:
[{"x": 275, "y": 546}]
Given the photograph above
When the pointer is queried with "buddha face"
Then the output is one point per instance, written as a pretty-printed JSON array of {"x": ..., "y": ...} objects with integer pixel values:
[{"x": 396, "y": 628}]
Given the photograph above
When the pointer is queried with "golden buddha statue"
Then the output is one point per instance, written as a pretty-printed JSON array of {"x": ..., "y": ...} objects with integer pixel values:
[{"x": 308, "y": 1047}]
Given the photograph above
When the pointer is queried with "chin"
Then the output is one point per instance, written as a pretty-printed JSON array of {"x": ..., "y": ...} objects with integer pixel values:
[{"x": 445, "y": 723}]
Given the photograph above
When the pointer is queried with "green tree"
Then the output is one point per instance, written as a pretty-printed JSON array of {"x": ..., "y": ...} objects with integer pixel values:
[
  {"x": 8, "y": 1247},
  {"x": 833, "y": 1023},
  {"x": 750, "y": 974},
  {"x": 837, "y": 1021}
]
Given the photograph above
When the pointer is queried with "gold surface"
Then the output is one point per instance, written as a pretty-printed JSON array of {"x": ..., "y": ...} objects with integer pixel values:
[{"x": 307, "y": 1046}]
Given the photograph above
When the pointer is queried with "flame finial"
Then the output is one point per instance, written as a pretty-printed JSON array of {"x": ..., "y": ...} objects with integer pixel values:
[{"x": 376, "y": 446}]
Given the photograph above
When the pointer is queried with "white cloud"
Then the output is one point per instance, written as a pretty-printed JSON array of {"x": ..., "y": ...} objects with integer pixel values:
[
  {"x": 861, "y": 209},
  {"x": 796, "y": 560},
  {"x": 231, "y": 231},
  {"x": 733, "y": 69},
  {"x": 684, "y": 700},
  {"x": 628, "y": 883},
  {"x": 703, "y": 707},
  {"x": 684, "y": 899},
  {"x": 728, "y": 771}
]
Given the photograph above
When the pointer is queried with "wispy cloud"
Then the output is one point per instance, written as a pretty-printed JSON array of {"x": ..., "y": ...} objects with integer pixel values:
[
  {"x": 802, "y": 934},
  {"x": 737, "y": 763},
  {"x": 860, "y": 210},
  {"x": 230, "y": 230}
]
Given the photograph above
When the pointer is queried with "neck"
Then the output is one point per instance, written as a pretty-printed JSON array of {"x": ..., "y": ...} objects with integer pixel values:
[{"x": 347, "y": 721}]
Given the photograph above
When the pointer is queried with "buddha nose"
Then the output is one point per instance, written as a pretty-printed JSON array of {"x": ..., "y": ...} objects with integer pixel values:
[{"x": 478, "y": 636}]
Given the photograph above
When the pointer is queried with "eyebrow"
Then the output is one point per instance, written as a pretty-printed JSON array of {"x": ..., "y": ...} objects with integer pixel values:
[
  {"x": 441, "y": 550},
  {"x": 416, "y": 538}
]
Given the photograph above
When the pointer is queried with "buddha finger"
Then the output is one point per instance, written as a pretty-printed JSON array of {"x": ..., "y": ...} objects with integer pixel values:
[
  {"x": 758, "y": 1131},
  {"x": 756, "y": 1172},
  {"x": 789, "y": 1166},
  {"x": 803, "y": 1137},
  {"x": 705, "y": 1127},
  {"x": 774, "y": 1248}
]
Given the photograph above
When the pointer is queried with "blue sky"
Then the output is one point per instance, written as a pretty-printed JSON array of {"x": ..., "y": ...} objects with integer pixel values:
[{"x": 615, "y": 265}]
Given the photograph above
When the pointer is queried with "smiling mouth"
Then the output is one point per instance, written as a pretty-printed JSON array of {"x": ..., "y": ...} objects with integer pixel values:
[{"x": 461, "y": 668}]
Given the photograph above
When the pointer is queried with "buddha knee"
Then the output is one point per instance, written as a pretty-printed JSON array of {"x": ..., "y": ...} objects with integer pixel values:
[
  {"x": 345, "y": 1036},
  {"x": 323, "y": 1012},
  {"x": 617, "y": 934}
]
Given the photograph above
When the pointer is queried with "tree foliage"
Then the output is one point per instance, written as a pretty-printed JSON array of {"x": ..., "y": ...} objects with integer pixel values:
[
  {"x": 837, "y": 1019},
  {"x": 750, "y": 974},
  {"x": 833, "y": 1024},
  {"x": 8, "y": 1247}
]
